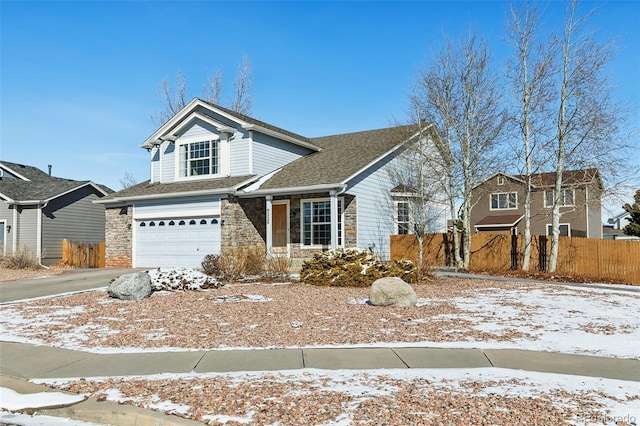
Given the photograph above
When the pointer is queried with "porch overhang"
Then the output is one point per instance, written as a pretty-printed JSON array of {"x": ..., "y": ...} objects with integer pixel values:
[{"x": 503, "y": 221}]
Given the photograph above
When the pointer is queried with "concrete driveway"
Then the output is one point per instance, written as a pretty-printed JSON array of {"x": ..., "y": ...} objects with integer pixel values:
[{"x": 66, "y": 282}]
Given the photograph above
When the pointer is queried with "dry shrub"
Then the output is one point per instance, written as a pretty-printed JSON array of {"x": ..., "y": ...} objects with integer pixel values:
[
  {"x": 352, "y": 268},
  {"x": 22, "y": 259},
  {"x": 234, "y": 264},
  {"x": 278, "y": 268}
]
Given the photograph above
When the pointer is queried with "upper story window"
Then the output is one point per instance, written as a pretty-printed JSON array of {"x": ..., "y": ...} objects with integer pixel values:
[
  {"x": 504, "y": 201},
  {"x": 199, "y": 159},
  {"x": 567, "y": 198},
  {"x": 402, "y": 218}
]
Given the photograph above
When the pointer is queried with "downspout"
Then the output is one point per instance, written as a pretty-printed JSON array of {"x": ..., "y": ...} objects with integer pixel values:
[{"x": 15, "y": 229}]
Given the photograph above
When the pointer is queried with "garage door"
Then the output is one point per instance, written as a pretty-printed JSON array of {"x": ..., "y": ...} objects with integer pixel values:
[{"x": 180, "y": 242}]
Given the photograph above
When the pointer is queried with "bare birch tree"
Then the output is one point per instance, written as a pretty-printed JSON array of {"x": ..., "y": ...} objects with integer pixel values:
[
  {"x": 173, "y": 97},
  {"x": 459, "y": 93},
  {"x": 418, "y": 185},
  {"x": 213, "y": 88},
  {"x": 529, "y": 73},
  {"x": 242, "y": 100},
  {"x": 587, "y": 117}
]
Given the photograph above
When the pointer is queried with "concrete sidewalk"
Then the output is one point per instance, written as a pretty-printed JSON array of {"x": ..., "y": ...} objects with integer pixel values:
[
  {"x": 20, "y": 362},
  {"x": 28, "y": 361}
]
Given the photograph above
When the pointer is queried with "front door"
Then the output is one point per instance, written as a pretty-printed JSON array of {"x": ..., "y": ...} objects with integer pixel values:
[{"x": 279, "y": 228}]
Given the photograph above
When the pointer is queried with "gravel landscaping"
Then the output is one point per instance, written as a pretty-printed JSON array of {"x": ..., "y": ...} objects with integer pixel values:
[{"x": 450, "y": 313}]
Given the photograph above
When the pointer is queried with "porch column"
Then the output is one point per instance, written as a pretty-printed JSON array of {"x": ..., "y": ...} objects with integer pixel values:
[
  {"x": 333, "y": 200},
  {"x": 269, "y": 218}
]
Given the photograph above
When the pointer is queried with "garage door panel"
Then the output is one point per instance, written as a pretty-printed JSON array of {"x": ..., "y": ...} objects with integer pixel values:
[{"x": 176, "y": 245}]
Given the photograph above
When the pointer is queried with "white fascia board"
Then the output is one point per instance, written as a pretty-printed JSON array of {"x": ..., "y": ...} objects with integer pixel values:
[
  {"x": 6, "y": 198},
  {"x": 228, "y": 190},
  {"x": 391, "y": 151},
  {"x": 500, "y": 225},
  {"x": 198, "y": 116},
  {"x": 9, "y": 169},
  {"x": 152, "y": 140},
  {"x": 269, "y": 132},
  {"x": 292, "y": 190},
  {"x": 501, "y": 174}
]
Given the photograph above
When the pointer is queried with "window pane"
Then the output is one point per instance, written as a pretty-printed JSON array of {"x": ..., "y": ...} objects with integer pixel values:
[
  {"x": 568, "y": 197},
  {"x": 512, "y": 200},
  {"x": 322, "y": 234},
  {"x": 548, "y": 198},
  {"x": 494, "y": 201},
  {"x": 403, "y": 228}
]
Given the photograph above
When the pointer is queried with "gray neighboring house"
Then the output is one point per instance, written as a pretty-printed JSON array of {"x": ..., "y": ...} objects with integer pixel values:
[
  {"x": 38, "y": 211},
  {"x": 220, "y": 179},
  {"x": 613, "y": 230}
]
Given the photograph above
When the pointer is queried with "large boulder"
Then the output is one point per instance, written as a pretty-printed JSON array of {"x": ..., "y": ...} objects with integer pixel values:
[
  {"x": 392, "y": 291},
  {"x": 134, "y": 286}
]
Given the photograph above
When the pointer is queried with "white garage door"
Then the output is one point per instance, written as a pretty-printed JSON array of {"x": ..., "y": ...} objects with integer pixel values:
[{"x": 180, "y": 242}]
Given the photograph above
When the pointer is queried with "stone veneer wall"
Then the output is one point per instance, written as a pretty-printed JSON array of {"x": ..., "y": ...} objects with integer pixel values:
[
  {"x": 118, "y": 223},
  {"x": 244, "y": 222}
]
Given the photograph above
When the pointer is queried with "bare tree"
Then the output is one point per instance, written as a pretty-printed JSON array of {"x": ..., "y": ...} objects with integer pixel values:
[
  {"x": 460, "y": 95},
  {"x": 242, "y": 100},
  {"x": 128, "y": 180},
  {"x": 174, "y": 98},
  {"x": 529, "y": 73},
  {"x": 418, "y": 184},
  {"x": 213, "y": 88},
  {"x": 587, "y": 118}
]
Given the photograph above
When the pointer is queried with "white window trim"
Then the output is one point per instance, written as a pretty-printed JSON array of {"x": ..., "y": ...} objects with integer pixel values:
[
  {"x": 563, "y": 190},
  {"x": 223, "y": 157},
  {"x": 502, "y": 209},
  {"x": 319, "y": 246},
  {"x": 500, "y": 180},
  {"x": 395, "y": 218},
  {"x": 549, "y": 225}
]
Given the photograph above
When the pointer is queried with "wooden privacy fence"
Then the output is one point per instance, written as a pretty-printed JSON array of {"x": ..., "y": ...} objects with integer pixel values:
[
  {"x": 83, "y": 255},
  {"x": 617, "y": 260}
]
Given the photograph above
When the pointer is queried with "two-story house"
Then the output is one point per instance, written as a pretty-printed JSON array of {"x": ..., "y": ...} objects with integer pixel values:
[
  {"x": 498, "y": 204},
  {"x": 38, "y": 211},
  {"x": 220, "y": 179}
]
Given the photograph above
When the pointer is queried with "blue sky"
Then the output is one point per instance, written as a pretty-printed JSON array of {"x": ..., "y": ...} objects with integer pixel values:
[{"x": 79, "y": 80}]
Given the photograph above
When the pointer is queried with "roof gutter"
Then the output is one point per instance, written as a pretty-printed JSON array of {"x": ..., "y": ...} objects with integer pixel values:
[
  {"x": 293, "y": 190},
  {"x": 166, "y": 195}
]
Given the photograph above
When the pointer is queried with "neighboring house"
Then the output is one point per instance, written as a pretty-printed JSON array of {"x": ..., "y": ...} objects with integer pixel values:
[
  {"x": 613, "y": 230},
  {"x": 38, "y": 211},
  {"x": 498, "y": 204},
  {"x": 220, "y": 179}
]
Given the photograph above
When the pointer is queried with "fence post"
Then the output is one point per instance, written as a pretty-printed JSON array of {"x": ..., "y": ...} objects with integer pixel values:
[
  {"x": 514, "y": 251},
  {"x": 542, "y": 253}
]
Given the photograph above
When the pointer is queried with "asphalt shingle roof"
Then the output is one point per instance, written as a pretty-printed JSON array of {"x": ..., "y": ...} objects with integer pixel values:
[
  {"x": 340, "y": 158},
  {"x": 147, "y": 188},
  {"x": 569, "y": 177},
  {"x": 40, "y": 185}
]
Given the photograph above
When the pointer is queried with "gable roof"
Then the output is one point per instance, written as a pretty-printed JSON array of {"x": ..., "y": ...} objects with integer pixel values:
[
  {"x": 246, "y": 122},
  {"x": 32, "y": 185},
  {"x": 548, "y": 179},
  {"x": 342, "y": 157},
  {"x": 569, "y": 177}
]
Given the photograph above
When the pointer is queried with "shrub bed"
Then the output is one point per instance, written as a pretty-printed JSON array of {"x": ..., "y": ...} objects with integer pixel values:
[{"x": 353, "y": 268}]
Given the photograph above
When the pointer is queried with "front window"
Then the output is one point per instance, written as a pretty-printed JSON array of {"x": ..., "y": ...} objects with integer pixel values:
[
  {"x": 402, "y": 218},
  {"x": 199, "y": 158},
  {"x": 566, "y": 198},
  {"x": 504, "y": 201},
  {"x": 316, "y": 222}
]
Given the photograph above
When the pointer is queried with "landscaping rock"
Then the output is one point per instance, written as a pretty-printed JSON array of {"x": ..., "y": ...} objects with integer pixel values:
[
  {"x": 392, "y": 291},
  {"x": 134, "y": 286}
]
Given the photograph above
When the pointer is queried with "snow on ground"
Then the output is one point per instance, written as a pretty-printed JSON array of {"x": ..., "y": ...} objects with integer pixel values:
[
  {"x": 12, "y": 400},
  {"x": 575, "y": 400}
]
